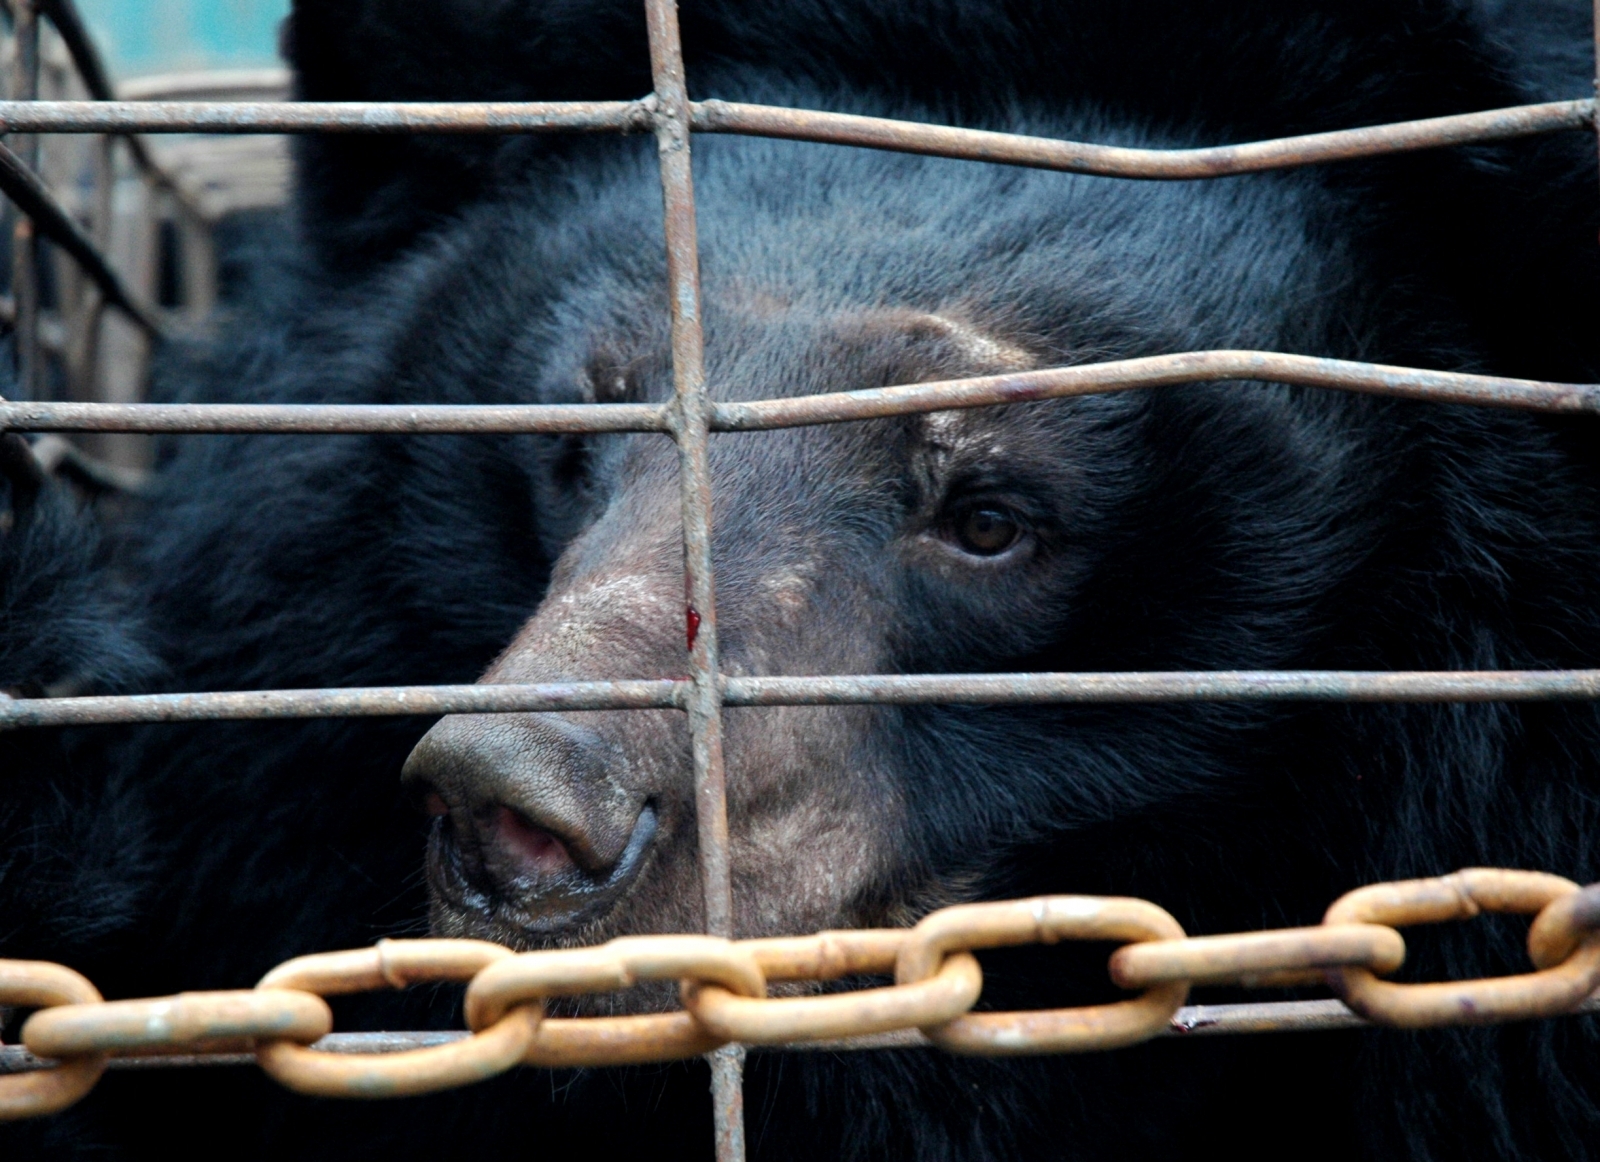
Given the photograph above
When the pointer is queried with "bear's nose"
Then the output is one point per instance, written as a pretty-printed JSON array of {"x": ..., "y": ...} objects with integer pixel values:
[{"x": 532, "y": 793}]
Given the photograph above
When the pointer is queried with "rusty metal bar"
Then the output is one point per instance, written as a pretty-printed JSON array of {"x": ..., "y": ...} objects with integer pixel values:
[
  {"x": 1283, "y": 1017},
  {"x": 123, "y": 117},
  {"x": 1192, "y": 1020},
  {"x": 20, "y": 183},
  {"x": 835, "y": 407},
  {"x": 690, "y": 417},
  {"x": 893, "y": 689},
  {"x": 692, "y": 426},
  {"x": 24, "y": 244},
  {"x": 52, "y": 416},
  {"x": 16, "y": 1059},
  {"x": 375, "y": 701},
  {"x": 381, "y": 117},
  {"x": 1159, "y": 371},
  {"x": 1189, "y": 1021},
  {"x": 1150, "y": 164},
  {"x": 1179, "y": 686}
]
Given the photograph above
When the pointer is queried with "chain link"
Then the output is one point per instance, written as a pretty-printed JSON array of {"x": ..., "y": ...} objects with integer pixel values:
[
  {"x": 28, "y": 984},
  {"x": 943, "y": 996},
  {"x": 1281, "y": 959},
  {"x": 393, "y": 964},
  {"x": 532, "y": 976},
  {"x": 724, "y": 988},
  {"x": 188, "y": 1022},
  {"x": 1045, "y": 920},
  {"x": 1559, "y": 985}
]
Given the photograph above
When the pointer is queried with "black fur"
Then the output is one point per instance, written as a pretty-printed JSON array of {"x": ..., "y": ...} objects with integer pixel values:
[{"x": 1238, "y": 525}]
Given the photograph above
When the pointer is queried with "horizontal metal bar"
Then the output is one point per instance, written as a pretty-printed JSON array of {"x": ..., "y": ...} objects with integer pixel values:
[
  {"x": 1125, "y": 162},
  {"x": 34, "y": 199},
  {"x": 1274, "y": 1017},
  {"x": 835, "y": 407},
  {"x": 1178, "y": 686},
  {"x": 897, "y": 689},
  {"x": 16, "y": 1059},
  {"x": 1189, "y": 1021},
  {"x": 1159, "y": 371},
  {"x": 391, "y": 117},
  {"x": 51, "y": 416},
  {"x": 797, "y": 124},
  {"x": 351, "y": 702}
]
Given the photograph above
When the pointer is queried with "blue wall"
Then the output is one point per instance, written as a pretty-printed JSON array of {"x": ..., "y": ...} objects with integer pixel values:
[{"x": 159, "y": 36}]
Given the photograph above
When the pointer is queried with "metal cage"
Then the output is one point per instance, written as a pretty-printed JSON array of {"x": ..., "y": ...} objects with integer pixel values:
[{"x": 56, "y": 355}]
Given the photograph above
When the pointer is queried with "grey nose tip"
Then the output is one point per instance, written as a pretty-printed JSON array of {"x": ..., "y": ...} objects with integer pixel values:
[{"x": 542, "y": 767}]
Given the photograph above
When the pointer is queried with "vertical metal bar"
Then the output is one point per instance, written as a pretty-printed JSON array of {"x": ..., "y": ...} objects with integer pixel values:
[
  {"x": 24, "y": 245},
  {"x": 691, "y": 428},
  {"x": 1597, "y": 75},
  {"x": 86, "y": 378}
]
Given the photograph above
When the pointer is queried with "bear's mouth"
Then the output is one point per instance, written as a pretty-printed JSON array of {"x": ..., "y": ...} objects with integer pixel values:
[{"x": 504, "y": 877}]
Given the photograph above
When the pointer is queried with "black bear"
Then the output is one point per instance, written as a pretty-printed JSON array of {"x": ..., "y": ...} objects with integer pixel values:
[{"x": 1239, "y": 525}]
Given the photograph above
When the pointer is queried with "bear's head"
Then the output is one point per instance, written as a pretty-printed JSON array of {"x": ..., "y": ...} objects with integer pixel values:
[
  {"x": 1239, "y": 525},
  {"x": 1198, "y": 528}
]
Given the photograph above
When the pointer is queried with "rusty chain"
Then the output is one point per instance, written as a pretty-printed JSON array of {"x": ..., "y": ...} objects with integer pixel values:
[{"x": 724, "y": 988}]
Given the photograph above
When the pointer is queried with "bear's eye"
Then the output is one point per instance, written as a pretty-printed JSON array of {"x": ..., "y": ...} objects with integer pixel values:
[{"x": 986, "y": 531}]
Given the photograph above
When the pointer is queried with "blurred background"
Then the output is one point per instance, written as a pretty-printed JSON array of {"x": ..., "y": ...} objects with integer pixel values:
[
  {"x": 181, "y": 218},
  {"x": 141, "y": 38}
]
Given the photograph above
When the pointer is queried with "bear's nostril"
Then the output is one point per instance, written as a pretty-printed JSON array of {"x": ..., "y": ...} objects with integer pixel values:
[
  {"x": 426, "y": 797},
  {"x": 536, "y": 850}
]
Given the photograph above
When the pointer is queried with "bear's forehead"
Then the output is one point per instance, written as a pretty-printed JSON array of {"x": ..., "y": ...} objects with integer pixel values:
[{"x": 984, "y": 258}]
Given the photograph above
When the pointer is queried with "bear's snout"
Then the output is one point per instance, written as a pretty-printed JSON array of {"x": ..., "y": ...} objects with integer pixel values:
[{"x": 530, "y": 832}]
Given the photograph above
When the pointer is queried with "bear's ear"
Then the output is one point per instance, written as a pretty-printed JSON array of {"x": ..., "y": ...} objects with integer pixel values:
[
  {"x": 362, "y": 197},
  {"x": 20, "y": 481}
]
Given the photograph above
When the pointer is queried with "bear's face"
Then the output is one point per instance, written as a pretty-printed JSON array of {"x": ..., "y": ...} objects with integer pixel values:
[
  {"x": 929, "y": 542},
  {"x": 1139, "y": 531}
]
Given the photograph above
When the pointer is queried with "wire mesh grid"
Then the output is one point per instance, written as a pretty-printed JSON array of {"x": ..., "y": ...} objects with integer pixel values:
[{"x": 691, "y": 416}]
